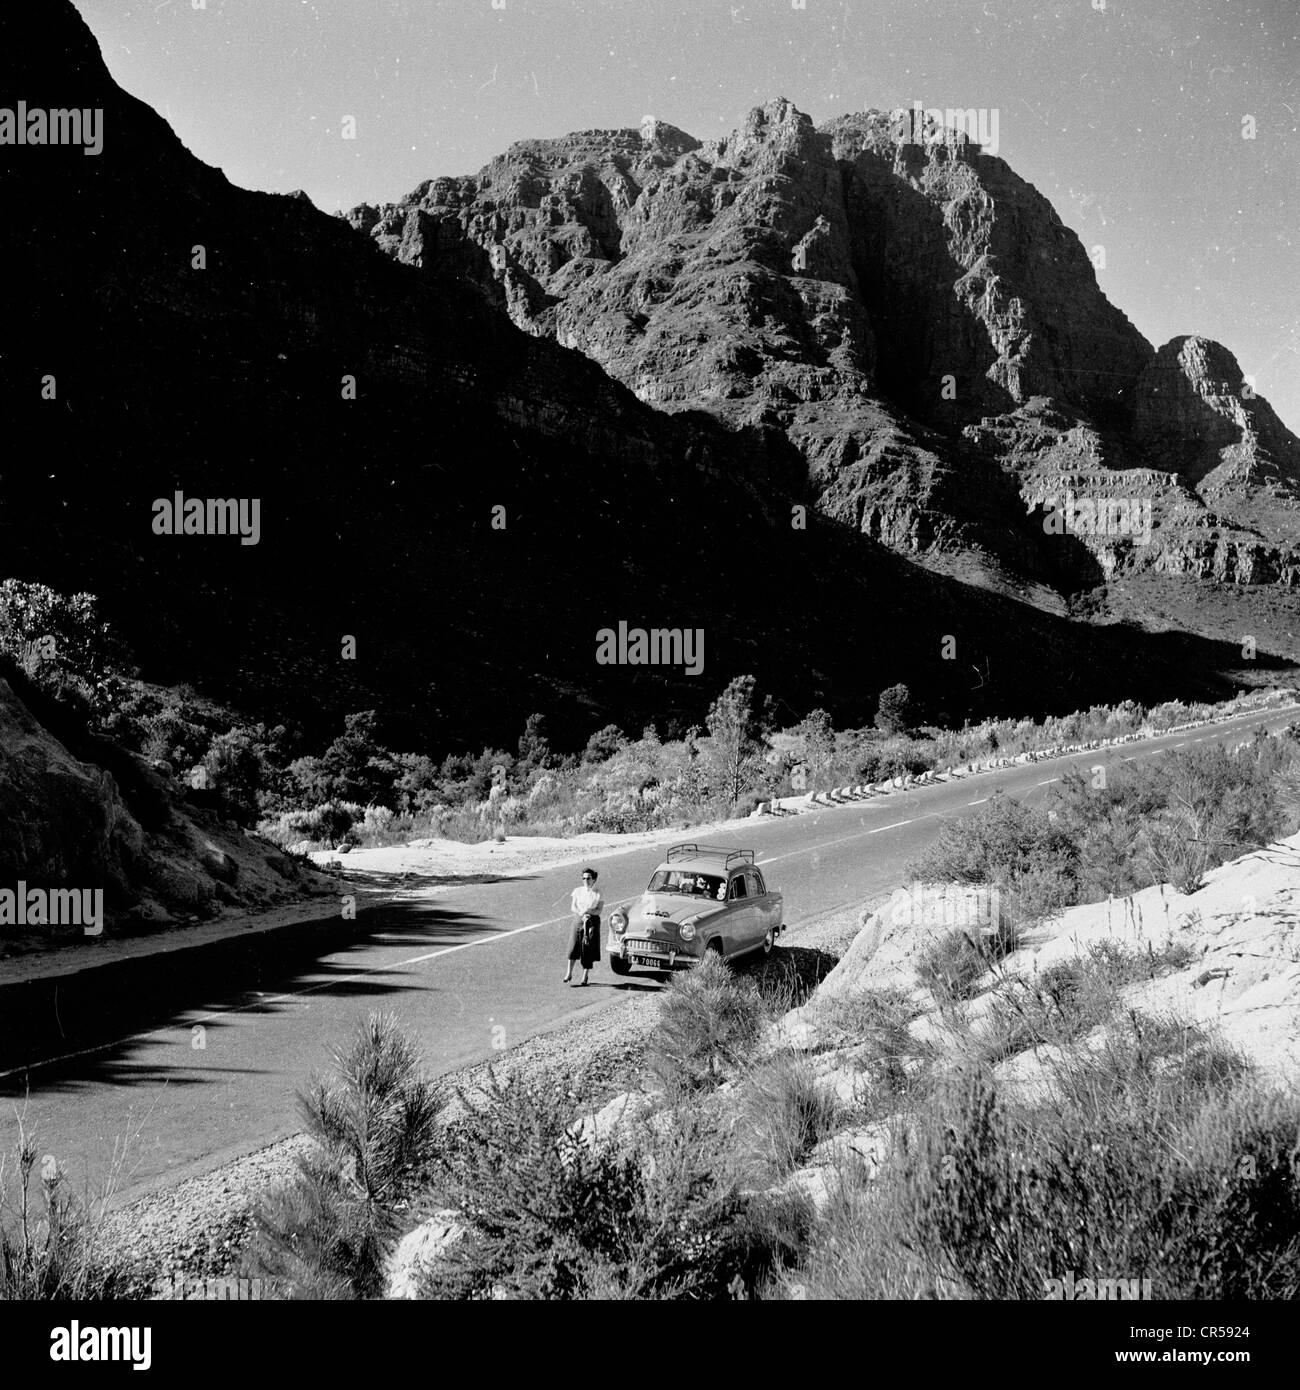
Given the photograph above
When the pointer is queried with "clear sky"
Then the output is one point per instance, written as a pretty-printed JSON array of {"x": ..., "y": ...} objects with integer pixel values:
[{"x": 1128, "y": 114}]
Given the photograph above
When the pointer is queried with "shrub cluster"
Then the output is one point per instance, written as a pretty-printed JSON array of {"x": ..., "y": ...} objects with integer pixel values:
[
  {"x": 710, "y": 1022},
  {"x": 1170, "y": 820},
  {"x": 552, "y": 1217}
]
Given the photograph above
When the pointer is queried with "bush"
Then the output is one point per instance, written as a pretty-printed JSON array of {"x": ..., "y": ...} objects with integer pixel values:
[
  {"x": 1009, "y": 845},
  {"x": 955, "y": 963},
  {"x": 710, "y": 1021},
  {"x": 1156, "y": 1163},
  {"x": 328, "y": 823},
  {"x": 785, "y": 1116},
  {"x": 859, "y": 1250},
  {"x": 874, "y": 758},
  {"x": 1108, "y": 856},
  {"x": 1173, "y": 820},
  {"x": 1071, "y": 998},
  {"x": 327, "y": 1233},
  {"x": 377, "y": 821},
  {"x": 551, "y": 1218},
  {"x": 997, "y": 845},
  {"x": 880, "y": 1018},
  {"x": 313, "y": 1240},
  {"x": 355, "y": 767}
]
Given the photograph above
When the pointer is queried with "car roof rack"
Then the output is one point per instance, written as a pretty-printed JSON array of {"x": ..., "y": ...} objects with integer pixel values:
[{"x": 690, "y": 850}]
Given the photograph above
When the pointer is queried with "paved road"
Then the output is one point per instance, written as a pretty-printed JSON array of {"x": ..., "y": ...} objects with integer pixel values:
[{"x": 474, "y": 967}]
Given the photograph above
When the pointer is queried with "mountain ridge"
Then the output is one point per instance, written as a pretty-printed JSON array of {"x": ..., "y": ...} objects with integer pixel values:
[
  {"x": 377, "y": 500},
  {"x": 757, "y": 276}
]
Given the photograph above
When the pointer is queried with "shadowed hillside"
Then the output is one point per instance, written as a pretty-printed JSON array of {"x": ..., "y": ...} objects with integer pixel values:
[{"x": 232, "y": 381}]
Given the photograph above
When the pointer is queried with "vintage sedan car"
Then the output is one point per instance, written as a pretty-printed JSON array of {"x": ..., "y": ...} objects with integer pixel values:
[{"x": 701, "y": 898}]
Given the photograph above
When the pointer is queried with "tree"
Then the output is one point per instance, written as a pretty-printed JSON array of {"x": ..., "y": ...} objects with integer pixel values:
[
  {"x": 492, "y": 768},
  {"x": 235, "y": 766},
  {"x": 60, "y": 644},
  {"x": 603, "y": 744},
  {"x": 734, "y": 737},
  {"x": 418, "y": 784},
  {"x": 59, "y": 627},
  {"x": 818, "y": 736},
  {"x": 896, "y": 712},
  {"x": 314, "y": 784},
  {"x": 353, "y": 768},
  {"x": 534, "y": 747}
]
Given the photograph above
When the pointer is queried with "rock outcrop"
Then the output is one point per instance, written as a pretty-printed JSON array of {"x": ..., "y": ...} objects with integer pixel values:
[
  {"x": 66, "y": 824},
  {"x": 912, "y": 315},
  {"x": 418, "y": 1250}
]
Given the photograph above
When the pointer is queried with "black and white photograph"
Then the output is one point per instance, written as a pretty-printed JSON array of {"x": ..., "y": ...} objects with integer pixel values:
[{"x": 649, "y": 651}]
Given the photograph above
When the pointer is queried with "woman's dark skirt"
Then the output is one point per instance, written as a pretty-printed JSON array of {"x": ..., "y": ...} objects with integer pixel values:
[{"x": 584, "y": 941}]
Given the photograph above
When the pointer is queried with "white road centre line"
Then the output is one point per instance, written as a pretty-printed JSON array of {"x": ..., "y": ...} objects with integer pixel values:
[
  {"x": 262, "y": 1001},
  {"x": 857, "y": 835}
]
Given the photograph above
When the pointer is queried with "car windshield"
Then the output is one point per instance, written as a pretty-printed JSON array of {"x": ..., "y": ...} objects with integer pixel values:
[{"x": 690, "y": 885}]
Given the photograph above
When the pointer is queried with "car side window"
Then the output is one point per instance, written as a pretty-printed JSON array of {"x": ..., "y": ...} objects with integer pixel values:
[
  {"x": 756, "y": 887},
  {"x": 738, "y": 886}
]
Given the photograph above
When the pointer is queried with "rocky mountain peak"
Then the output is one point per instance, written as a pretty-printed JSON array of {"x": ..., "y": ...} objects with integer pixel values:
[
  {"x": 913, "y": 315},
  {"x": 1196, "y": 413}
]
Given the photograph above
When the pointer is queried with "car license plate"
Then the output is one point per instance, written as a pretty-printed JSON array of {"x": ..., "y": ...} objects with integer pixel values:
[{"x": 649, "y": 960}]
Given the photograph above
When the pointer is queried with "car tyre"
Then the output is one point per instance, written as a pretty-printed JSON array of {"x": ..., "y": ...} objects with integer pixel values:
[
  {"x": 769, "y": 941},
  {"x": 619, "y": 966}
]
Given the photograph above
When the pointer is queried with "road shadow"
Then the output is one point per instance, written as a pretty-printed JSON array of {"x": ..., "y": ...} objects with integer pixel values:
[
  {"x": 789, "y": 972},
  {"x": 392, "y": 881},
  {"x": 257, "y": 972},
  {"x": 788, "y": 976}
]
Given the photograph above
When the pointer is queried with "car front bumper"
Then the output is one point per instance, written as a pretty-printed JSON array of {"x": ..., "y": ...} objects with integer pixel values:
[{"x": 650, "y": 953}]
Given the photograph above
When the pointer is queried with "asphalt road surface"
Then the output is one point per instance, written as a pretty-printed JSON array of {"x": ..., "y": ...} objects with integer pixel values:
[{"x": 468, "y": 972}]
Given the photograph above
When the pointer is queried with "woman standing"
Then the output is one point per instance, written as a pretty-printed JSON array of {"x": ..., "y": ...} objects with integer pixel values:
[{"x": 584, "y": 943}]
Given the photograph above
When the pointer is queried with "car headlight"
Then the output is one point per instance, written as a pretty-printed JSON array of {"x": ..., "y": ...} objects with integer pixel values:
[
  {"x": 687, "y": 931},
  {"x": 618, "y": 920}
]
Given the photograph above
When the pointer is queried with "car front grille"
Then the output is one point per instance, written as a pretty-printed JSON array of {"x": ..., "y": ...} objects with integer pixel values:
[{"x": 639, "y": 946}]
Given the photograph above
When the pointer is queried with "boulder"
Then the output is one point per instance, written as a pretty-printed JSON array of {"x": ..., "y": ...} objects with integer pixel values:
[
  {"x": 418, "y": 1250},
  {"x": 615, "y": 1119},
  {"x": 219, "y": 864},
  {"x": 864, "y": 1150}
]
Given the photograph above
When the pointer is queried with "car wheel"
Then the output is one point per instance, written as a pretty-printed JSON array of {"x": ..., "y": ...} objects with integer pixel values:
[
  {"x": 768, "y": 942},
  {"x": 619, "y": 966}
]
